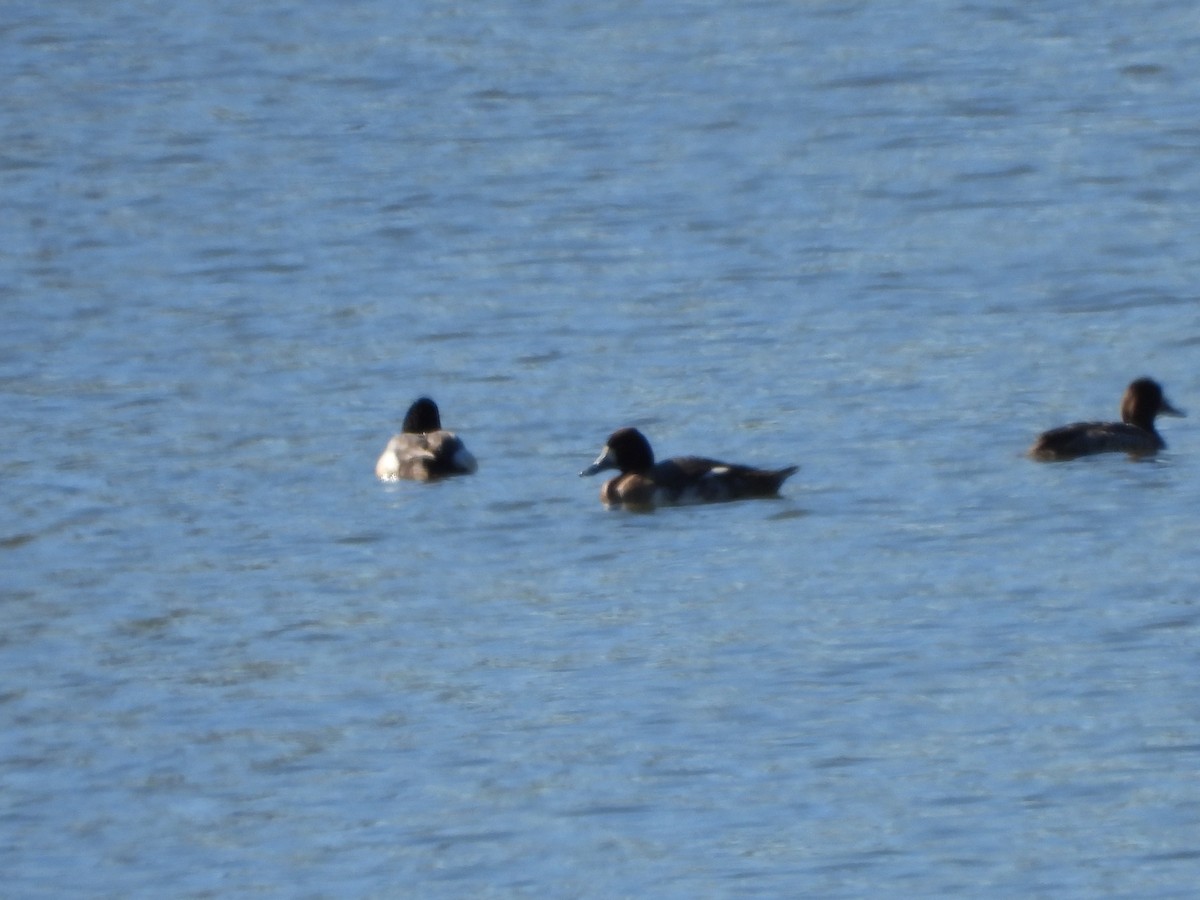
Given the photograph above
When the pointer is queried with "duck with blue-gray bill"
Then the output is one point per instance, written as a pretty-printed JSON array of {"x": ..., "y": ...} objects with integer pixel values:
[
  {"x": 1134, "y": 434},
  {"x": 643, "y": 483}
]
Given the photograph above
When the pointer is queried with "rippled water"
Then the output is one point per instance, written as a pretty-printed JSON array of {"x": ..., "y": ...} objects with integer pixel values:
[{"x": 890, "y": 247}]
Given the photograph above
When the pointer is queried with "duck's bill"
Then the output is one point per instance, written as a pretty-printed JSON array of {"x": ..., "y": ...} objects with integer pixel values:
[
  {"x": 604, "y": 461},
  {"x": 1168, "y": 410}
]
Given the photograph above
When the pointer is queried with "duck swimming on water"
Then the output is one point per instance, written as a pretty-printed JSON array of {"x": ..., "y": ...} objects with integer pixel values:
[
  {"x": 423, "y": 451},
  {"x": 682, "y": 480},
  {"x": 1134, "y": 434}
]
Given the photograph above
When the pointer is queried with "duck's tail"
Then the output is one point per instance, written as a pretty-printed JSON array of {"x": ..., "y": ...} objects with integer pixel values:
[{"x": 767, "y": 482}]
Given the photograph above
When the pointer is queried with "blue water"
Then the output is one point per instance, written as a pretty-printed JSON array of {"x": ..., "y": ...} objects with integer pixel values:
[{"x": 886, "y": 243}]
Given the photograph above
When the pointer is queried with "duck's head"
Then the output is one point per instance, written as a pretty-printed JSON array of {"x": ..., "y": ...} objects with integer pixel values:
[
  {"x": 626, "y": 450},
  {"x": 422, "y": 417},
  {"x": 1143, "y": 400}
]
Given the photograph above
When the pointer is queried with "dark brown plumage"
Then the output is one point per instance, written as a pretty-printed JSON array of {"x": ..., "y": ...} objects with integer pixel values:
[
  {"x": 682, "y": 480},
  {"x": 1134, "y": 434}
]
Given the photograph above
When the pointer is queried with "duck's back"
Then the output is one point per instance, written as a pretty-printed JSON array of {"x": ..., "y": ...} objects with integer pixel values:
[
  {"x": 696, "y": 479},
  {"x": 424, "y": 457},
  {"x": 1088, "y": 438}
]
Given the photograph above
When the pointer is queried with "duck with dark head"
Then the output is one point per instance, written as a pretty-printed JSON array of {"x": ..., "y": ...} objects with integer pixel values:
[
  {"x": 643, "y": 483},
  {"x": 423, "y": 450},
  {"x": 1134, "y": 434}
]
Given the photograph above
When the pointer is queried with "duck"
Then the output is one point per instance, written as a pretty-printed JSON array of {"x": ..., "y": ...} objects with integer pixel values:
[
  {"x": 642, "y": 483},
  {"x": 423, "y": 451},
  {"x": 1134, "y": 434}
]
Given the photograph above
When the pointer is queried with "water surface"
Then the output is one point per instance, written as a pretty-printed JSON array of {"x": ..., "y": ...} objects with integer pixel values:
[{"x": 241, "y": 239}]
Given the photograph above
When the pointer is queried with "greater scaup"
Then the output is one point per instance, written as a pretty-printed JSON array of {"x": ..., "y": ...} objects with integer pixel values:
[
  {"x": 1134, "y": 434},
  {"x": 684, "y": 479},
  {"x": 423, "y": 451}
]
